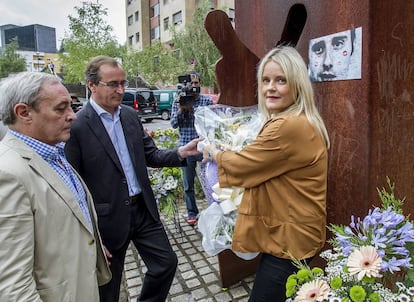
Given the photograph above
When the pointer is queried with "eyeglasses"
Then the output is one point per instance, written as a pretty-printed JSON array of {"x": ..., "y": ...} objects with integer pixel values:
[
  {"x": 115, "y": 84},
  {"x": 195, "y": 83}
]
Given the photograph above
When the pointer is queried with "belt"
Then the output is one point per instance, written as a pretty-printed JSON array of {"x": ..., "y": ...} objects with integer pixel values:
[{"x": 134, "y": 199}]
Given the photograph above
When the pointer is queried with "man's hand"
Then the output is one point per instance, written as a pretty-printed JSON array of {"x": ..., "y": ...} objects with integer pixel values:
[
  {"x": 189, "y": 149},
  {"x": 181, "y": 108},
  {"x": 184, "y": 107},
  {"x": 107, "y": 254}
]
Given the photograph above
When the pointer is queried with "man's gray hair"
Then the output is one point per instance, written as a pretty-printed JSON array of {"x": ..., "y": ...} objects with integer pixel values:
[{"x": 21, "y": 88}]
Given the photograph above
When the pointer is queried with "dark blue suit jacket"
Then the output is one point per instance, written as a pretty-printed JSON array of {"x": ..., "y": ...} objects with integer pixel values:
[{"x": 91, "y": 153}]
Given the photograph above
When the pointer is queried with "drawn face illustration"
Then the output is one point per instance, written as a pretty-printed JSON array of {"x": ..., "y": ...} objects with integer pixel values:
[{"x": 329, "y": 56}]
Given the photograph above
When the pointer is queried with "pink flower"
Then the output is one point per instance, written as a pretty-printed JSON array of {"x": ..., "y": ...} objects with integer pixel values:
[
  {"x": 316, "y": 290},
  {"x": 365, "y": 262}
]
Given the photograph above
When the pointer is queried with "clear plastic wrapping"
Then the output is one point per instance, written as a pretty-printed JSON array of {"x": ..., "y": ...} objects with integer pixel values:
[{"x": 229, "y": 128}]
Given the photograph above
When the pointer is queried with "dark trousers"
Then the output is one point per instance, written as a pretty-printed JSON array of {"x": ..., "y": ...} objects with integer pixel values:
[
  {"x": 151, "y": 241},
  {"x": 270, "y": 282}
]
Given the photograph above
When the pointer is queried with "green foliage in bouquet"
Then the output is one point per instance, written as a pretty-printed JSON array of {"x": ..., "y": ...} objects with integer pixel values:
[
  {"x": 371, "y": 260},
  {"x": 167, "y": 182},
  {"x": 167, "y": 186}
]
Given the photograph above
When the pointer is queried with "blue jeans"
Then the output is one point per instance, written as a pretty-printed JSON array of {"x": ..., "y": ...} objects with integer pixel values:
[{"x": 189, "y": 173}]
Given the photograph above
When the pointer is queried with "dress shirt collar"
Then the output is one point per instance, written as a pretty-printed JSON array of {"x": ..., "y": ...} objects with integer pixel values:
[
  {"x": 47, "y": 152},
  {"x": 100, "y": 111}
]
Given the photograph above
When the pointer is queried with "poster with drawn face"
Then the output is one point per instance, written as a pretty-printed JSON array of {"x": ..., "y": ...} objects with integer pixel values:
[{"x": 336, "y": 56}]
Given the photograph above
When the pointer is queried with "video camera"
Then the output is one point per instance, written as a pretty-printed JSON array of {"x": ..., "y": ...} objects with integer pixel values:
[{"x": 186, "y": 90}]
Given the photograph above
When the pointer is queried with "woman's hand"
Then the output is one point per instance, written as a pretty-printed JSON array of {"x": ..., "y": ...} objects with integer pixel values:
[{"x": 210, "y": 152}]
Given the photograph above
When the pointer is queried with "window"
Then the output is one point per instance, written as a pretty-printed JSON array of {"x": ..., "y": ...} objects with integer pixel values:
[
  {"x": 177, "y": 18},
  {"x": 136, "y": 16},
  {"x": 164, "y": 97},
  {"x": 129, "y": 2},
  {"x": 130, "y": 20},
  {"x": 231, "y": 14},
  {"x": 166, "y": 23},
  {"x": 165, "y": 2},
  {"x": 155, "y": 10},
  {"x": 155, "y": 33},
  {"x": 137, "y": 37},
  {"x": 130, "y": 38}
]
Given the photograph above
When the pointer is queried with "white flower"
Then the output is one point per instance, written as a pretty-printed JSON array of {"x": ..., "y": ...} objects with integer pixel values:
[
  {"x": 170, "y": 179},
  {"x": 315, "y": 290},
  {"x": 170, "y": 183},
  {"x": 364, "y": 262},
  {"x": 404, "y": 298}
]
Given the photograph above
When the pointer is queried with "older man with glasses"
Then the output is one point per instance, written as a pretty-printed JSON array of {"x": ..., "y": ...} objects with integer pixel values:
[{"x": 111, "y": 150}]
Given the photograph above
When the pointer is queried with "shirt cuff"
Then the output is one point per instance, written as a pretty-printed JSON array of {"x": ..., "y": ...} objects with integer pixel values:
[{"x": 179, "y": 156}]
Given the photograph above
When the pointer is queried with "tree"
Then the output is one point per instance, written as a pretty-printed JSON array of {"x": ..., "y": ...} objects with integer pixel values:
[
  {"x": 90, "y": 35},
  {"x": 196, "y": 47},
  {"x": 10, "y": 60},
  {"x": 156, "y": 64}
]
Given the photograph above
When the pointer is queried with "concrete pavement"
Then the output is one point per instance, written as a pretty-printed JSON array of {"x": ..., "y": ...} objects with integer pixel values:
[{"x": 197, "y": 277}]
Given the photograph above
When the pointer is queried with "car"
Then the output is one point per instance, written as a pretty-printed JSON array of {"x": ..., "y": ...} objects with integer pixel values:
[
  {"x": 77, "y": 103},
  {"x": 165, "y": 99},
  {"x": 76, "y": 106},
  {"x": 143, "y": 101}
]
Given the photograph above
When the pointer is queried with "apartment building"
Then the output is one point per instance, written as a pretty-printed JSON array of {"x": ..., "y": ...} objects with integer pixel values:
[{"x": 151, "y": 20}]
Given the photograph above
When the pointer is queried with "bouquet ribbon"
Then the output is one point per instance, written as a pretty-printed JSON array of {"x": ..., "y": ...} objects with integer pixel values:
[{"x": 228, "y": 198}]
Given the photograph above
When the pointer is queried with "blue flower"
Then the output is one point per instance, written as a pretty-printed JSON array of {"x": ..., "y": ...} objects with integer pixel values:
[{"x": 385, "y": 229}]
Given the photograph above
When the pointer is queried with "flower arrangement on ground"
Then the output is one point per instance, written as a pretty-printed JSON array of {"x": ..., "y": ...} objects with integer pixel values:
[
  {"x": 166, "y": 182},
  {"x": 371, "y": 259}
]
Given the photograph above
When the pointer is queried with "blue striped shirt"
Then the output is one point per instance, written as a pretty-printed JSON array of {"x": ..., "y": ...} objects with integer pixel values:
[
  {"x": 55, "y": 157},
  {"x": 115, "y": 131},
  {"x": 185, "y": 120}
]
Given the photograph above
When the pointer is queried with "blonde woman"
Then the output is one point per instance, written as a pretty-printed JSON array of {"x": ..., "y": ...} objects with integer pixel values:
[{"x": 284, "y": 173}]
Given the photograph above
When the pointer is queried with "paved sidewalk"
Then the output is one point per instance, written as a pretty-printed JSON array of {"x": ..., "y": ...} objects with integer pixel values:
[{"x": 197, "y": 277}]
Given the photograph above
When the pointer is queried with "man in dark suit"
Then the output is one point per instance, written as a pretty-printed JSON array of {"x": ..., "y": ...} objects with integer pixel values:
[{"x": 111, "y": 151}]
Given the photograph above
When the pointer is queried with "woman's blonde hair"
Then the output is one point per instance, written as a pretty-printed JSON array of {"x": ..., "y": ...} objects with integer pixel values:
[{"x": 299, "y": 83}]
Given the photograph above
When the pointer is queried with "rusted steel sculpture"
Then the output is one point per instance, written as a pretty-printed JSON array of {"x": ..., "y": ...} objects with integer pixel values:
[{"x": 370, "y": 120}]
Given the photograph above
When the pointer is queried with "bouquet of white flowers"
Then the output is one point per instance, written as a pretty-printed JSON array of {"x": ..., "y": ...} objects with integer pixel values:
[{"x": 229, "y": 128}]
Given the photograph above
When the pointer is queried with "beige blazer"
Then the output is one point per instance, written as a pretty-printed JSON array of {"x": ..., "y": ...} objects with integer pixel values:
[
  {"x": 3, "y": 130},
  {"x": 47, "y": 251}
]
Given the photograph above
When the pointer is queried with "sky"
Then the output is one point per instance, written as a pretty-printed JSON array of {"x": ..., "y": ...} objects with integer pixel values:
[{"x": 54, "y": 13}]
